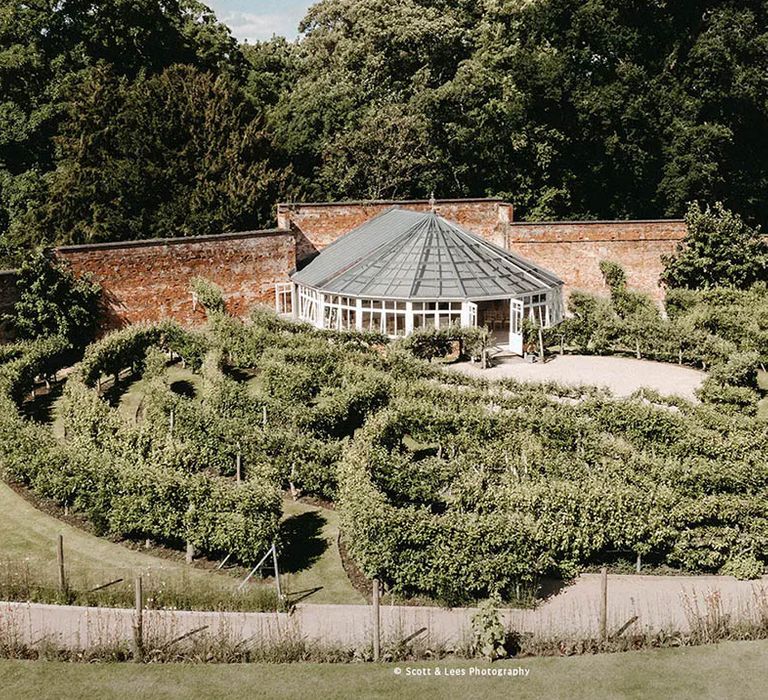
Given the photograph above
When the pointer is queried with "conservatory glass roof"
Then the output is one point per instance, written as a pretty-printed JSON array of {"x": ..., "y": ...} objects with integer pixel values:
[{"x": 403, "y": 254}]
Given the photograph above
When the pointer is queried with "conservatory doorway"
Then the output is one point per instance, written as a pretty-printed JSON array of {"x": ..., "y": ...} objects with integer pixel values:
[{"x": 504, "y": 319}]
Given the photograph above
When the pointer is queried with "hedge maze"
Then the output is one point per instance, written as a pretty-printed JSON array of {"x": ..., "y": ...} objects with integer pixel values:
[{"x": 448, "y": 487}]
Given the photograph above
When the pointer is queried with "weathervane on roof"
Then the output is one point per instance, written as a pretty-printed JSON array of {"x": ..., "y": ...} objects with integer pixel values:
[{"x": 433, "y": 203}]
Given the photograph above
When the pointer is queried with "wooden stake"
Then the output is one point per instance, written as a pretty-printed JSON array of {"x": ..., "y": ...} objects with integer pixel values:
[
  {"x": 264, "y": 416},
  {"x": 639, "y": 562},
  {"x": 172, "y": 420},
  {"x": 60, "y": 559},
  {"x": 238, "y": 466},
  {"x": 541, "y": 344},
  {"x": 138, "y": 623},
  {"x": 376, "y": 622},
  {"x": 603, "y": 603},
  {"x": 277, "y": 572},
  {"x": 190, "y": 553}
]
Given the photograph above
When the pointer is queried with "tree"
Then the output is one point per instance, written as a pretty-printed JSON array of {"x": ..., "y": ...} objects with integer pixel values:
[
  {"x": 45, "y": 47},
  {"x": 387, "y": 156},
  {"x": 54, "y": 301},
  {"x": 178, "y": 153},
  {"x": 720, "y": 249}
]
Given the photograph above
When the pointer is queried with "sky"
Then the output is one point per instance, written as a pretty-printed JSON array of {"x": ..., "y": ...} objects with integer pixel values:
[{"x": 260, "y": 19}]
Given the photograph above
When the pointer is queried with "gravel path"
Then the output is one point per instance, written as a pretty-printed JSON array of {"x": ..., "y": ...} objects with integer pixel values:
[
  {"x": 621, "y": 375},
  {"x": 659, "y": 602}
]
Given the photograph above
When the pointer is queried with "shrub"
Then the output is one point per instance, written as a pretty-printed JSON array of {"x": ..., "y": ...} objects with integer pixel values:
[
  {"x": 488, "y": 631},
  {"x": 744, "y": 567},
  {"x": 208, "y": 295},
  {"x": 719, "y": 249},
  {"x": 739, "y": 370},
  {"x": 54, "y": 301}
]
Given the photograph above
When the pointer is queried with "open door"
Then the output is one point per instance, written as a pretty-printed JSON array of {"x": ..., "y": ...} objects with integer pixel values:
[
  {"x": 472, "y": 315},
  {"x": 516, "y": 326}
]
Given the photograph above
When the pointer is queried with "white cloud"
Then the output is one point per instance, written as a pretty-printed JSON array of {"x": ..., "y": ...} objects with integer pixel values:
[{"x": 256, "y": 27}]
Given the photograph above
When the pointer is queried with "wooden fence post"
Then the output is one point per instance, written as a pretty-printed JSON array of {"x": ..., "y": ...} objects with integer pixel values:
[
  {"x": 603, "y": 603},
  {"x": 138, "y": 623},
  {"x": 60, "y": 561},
  {"x": 239, "y": 464},
  {"x": 277, "y": 572},
  {"x": 376, "y": 622}
]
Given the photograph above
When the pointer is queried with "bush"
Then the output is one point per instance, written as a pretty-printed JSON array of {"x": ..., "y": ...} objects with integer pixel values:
[
  {"x": 433, "y": 343},
  {"x": 488, "y": 632},
  {"x": 744, "y": 567},
  {"x": 740, "y": 370},
  {"x": 208, "y": 295},
  {"x": 54, "y": 301},
  {"x": 719, "y": 250}
]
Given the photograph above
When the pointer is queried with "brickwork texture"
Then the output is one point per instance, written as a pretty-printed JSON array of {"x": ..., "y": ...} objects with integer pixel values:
[{"x": 149, "y": 280}]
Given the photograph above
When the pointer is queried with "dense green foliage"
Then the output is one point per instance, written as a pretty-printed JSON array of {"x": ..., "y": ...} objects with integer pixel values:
[
  {"x": 719, "y": 250},
  {"x": 139, "y": 118},
  {"x": 458, "y": 495},
  {"x": 447, "y": 487},
  {"x": 724, "y": 330},
  {"x": 54, "y": 301},
  {"x": 133, "y": 481},
  {"x": 569, "y": 109}
]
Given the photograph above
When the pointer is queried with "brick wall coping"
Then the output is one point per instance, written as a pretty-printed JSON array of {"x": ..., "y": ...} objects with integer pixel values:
[
  {"x": 181, "y": 240},
  {"x": 597, "y": 222},
  {"x": 391, "y": 202}
]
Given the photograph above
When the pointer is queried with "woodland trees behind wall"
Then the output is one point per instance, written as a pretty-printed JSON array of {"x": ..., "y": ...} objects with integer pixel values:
[{"x": 145, "y": 118}]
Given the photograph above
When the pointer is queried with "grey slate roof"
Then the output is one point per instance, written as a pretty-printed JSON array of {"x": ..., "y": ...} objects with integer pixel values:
[{"x": 403, "y": 254}]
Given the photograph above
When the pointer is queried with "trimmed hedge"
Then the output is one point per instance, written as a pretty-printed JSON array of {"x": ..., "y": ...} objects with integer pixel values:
[
  {"x": 130, "y": 482},
  {"x": 461, "y": 497}
]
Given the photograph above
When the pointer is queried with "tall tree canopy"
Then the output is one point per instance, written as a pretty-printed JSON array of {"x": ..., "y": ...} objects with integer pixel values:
[{"x": 570, "y": 109}]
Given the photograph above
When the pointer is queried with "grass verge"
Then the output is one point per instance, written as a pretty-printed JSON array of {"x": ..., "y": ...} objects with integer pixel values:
[
  {"x": 733, "y": 670},
  {"x": 28, "y": 539}
]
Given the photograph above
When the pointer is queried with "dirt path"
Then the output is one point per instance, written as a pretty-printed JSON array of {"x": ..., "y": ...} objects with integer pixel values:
[{"x": 623, "y": 376}]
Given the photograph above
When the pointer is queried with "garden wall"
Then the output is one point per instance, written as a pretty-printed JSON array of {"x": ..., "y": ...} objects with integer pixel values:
[
  {"x": 149, "y": 280},
  {"x": 318, "y": 225},
  {"x": 573, "y": 250}
]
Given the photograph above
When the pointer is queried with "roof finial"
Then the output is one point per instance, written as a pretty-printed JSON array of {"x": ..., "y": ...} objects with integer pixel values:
[{"x": 433, "y": 202}]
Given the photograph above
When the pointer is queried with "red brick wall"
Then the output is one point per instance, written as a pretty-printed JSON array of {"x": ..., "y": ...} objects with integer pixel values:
[
  {"x": 149, "y": 280},
  {"x": 318, "y": 225},
  {"x": 573, "y": 250},
  {"x": 8, "y": 295}
]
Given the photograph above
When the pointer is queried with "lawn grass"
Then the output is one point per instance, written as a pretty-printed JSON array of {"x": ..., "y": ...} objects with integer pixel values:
[
  {"x": 311, "y": 556},
  {"x": 734, "y": 670},
  {"x": 28, "y": 538},
  {"x": 132, "y": 392}
]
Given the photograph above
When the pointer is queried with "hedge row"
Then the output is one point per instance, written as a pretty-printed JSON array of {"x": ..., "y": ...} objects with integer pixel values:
[
  {"x": 130, "y": 481},
  {"x": 459, "y": 497}
]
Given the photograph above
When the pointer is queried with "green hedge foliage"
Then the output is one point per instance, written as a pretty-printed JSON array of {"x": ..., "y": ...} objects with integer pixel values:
[
  {"x": 448, "y": 487},
  {"x": 724, "y": 331},
  {"x": 132, "y": 482},
  {"x": 464, "y": 496}
]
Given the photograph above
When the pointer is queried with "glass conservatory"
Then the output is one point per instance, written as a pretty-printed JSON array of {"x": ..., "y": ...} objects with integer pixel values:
[{"x": 404, "y": 271}]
